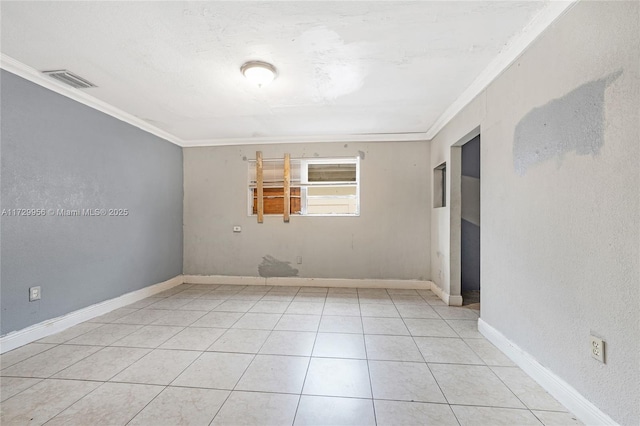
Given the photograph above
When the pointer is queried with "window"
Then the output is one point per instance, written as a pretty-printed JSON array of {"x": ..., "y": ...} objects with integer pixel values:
[
  {"x": 440, "y": 186},
  {"x": 319, "y": 187},
  {"x": 273, "y": 187}
]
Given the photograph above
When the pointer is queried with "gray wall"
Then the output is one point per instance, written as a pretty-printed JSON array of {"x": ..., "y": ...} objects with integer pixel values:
[
  {"x": 57, "y": 153},
  {"x": 389, "y": 240},
  {"x": 560, "y": 202},
  {"x": 470, "y": 216}
]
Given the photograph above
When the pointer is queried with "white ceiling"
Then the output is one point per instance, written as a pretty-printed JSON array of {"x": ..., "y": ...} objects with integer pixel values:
[{"x": 344, "y": 68}]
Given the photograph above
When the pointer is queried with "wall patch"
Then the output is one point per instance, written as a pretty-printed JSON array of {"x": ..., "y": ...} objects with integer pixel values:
[
  {"x": 574, "y": 122},
  {"x": 272, "y": 267}
]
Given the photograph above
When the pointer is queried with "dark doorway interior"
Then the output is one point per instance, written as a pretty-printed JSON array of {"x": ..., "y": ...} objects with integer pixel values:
[{"x": 470, "y": 232}]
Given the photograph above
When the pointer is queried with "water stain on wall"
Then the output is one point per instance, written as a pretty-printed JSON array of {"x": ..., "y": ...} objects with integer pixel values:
[
  {"x": 272, "y": 267},
  {"x": 574, "y": 122}
]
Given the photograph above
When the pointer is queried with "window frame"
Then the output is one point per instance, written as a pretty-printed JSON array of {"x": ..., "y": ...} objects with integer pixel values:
[{"x": 304, "y": 183}]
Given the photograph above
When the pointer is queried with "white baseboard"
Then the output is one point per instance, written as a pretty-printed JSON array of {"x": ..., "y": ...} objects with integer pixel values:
[
  {"x": 224, "y": 279},
  {"x": 582, "y": 408},
  {"x": 446, "y": 297},
  {"x": 308, "y": 282},
  {"x": 46, "y": 328},
  {"x": 349, "y": 282}
]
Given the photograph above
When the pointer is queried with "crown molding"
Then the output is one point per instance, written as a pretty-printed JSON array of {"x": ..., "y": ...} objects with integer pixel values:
[
  {"x": 366, "y": 137},
  {"x": 511, "y": 52},
  {"x": 551, "y": 12},
  {"x": 16, "y": 67}
]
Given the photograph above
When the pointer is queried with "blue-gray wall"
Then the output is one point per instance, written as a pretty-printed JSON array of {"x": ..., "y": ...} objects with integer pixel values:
[
  {"x": 59, "y": 154},
  {"x": 470, "y": 232}
]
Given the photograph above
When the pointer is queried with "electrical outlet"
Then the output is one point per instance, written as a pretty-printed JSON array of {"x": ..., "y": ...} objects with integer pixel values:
[
  {"x": 237, "y": 228},
  {"x": 34, "y": 293},
  {"x": 299, "y": 260},
  {"x": 597, "y": 349}
]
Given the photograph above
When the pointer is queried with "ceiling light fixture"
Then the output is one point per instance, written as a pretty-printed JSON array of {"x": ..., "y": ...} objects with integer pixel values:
[{"x": 258, "y": 72}]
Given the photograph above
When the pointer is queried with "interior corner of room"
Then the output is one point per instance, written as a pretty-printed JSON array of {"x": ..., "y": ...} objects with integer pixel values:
[{"x": 518, "y": 197}]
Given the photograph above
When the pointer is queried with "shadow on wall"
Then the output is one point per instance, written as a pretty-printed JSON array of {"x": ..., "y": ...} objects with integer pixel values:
[
  {"x": 574, "y": 122},
  {"x": 272, "y": 267}
]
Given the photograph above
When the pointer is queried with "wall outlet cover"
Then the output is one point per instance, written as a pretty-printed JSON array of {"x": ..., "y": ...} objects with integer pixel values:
[
  {"x": 597, "y": 348},
  {"x": 34, "y": 293}
]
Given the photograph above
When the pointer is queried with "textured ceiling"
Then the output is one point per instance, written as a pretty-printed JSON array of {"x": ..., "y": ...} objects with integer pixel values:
[{"x": 344, "y": 68}]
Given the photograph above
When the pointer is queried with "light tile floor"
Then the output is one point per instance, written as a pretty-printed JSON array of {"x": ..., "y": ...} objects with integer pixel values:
[{"x": 242, "y": 355}]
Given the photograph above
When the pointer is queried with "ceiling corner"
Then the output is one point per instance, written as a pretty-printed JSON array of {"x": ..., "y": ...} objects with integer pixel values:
[
  {"x": 16, "y": 67},
  {"x": 512, "y": 51}
]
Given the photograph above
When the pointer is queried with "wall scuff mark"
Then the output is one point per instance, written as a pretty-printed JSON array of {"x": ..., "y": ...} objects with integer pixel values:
[
  {"x": 574, "y": 122},
  {"x": 272, "y": 267}
]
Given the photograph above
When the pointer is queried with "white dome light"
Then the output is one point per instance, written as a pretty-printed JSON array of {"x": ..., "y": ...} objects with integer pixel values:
[{"x": 259, "y": 73}]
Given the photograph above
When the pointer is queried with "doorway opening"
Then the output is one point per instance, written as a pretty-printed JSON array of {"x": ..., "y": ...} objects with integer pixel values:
[{"x": 470, "y": 224}]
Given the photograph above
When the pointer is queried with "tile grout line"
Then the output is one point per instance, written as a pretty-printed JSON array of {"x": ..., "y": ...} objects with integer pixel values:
[
  {"x": 252, "y": 353},
  {"x": 306, "y": 373},
  {"x": 228, "y": 297},
  {"x": 101, "y": 347},
  {"x": 253, "y": 359},
  {"x": 166, "y": 386},
  {"x": 100, "y": 325},
  {"x": 57, "y": 371},
  {"x": 510, "y": 390},
  {"x": 205, "y": 351},
  {"x": 294, "y": 394},
  {"x": 498, "y": 377},
  {"x": 31, "y": 356},
  {"x": 201, "y": 354},
  {"x": 147, "y": 404},
  {"x": 27, "y": 388},
  {"x": 526, "y": 408},
  {"x": 366, "y": 354},
  {"x": 74, "y": 402},
  {"x": 426, "y": 363}
]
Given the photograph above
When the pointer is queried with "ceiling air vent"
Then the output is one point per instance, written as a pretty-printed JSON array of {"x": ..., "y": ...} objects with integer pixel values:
[{"x": 70, "y": 79}]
